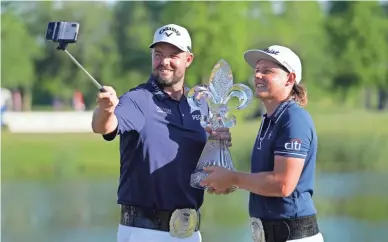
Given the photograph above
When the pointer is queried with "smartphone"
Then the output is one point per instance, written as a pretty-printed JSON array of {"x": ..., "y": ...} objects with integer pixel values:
[{"x": 64, "y": 32}]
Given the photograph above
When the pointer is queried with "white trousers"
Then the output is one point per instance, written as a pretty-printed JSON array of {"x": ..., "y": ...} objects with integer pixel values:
[
  {"x": 315, "y": 238},
  {"x": 133, "y": 234}
]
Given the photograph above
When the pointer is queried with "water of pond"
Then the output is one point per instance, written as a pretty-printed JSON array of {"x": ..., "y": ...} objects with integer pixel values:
[{"x": 86, "y": 210}]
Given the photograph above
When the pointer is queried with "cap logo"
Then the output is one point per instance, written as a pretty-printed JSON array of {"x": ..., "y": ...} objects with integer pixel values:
[
  {"x": 270, "y": 51},
  {"x": 164, "y": 30}
]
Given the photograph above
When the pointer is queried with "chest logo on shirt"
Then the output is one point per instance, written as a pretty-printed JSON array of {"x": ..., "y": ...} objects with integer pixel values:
[
  {"x": 163, "y": 110},
  {"x": 196, "y": 116},
  {"x": 294, "y": 144}
]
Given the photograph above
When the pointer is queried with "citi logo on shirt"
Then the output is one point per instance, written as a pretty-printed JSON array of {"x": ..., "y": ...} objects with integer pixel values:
[{"x": 294, "y": 144}]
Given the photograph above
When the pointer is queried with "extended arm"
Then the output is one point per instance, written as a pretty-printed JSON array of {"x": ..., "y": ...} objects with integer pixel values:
[
  {"x": 103, "y": 122},
  {"x": 128, "y": 114}
]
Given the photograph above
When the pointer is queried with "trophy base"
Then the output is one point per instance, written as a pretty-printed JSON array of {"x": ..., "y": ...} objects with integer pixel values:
[
  {"x": 215, "y": 153},
  {"x": 199, "y": 175},
  {"x": 196, "y": 177}
]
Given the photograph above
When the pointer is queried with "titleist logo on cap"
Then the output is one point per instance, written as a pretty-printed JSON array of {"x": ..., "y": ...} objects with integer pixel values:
[{"x": 270, "y": 51}]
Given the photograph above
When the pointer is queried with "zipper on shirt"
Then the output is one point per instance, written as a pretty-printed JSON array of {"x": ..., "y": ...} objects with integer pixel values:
[{"x": 265, "y": 133}]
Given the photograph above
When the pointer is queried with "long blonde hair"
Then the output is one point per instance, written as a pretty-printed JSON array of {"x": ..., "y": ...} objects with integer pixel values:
[{"x": 299, "y": 94}]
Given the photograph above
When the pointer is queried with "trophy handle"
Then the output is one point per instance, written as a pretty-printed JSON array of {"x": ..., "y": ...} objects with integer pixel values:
[{"x": 243, "y": 93}]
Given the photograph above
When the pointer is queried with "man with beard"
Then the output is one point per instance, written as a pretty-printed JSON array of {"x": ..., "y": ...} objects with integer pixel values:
[{"x": 161, "y": 140}]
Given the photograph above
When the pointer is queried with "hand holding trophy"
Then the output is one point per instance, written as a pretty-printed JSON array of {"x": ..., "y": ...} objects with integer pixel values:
[{"x": 211, "y": 100}]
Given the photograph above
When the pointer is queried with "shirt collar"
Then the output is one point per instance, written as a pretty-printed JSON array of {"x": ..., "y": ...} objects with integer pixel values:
[
  {"x": 155, "y": 89},
  {"x": 279, "y": 110}
]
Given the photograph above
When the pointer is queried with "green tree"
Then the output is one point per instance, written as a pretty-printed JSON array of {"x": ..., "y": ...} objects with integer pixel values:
[
  {"x": 301, "y": 27},
  {"x": 358, "y": 47},
  {"x": 133, "y": 32},
  {"x": 95, "y": 49},
  {"x": 215, "y": 35},
  {"x": 19, "y": 49},
  {"x": 57, "y": 76}
]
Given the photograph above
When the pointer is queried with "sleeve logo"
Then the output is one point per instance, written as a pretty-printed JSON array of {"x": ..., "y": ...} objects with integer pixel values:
[{"x": 294, "y": 144}]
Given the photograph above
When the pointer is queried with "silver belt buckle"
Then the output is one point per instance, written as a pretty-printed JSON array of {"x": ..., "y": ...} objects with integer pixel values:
[
  {"x": 258, "y": 234},
  {"x": 183, "y": 222}
]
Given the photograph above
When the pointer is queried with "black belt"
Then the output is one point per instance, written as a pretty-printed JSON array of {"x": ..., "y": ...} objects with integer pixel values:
[
  {"x": 147, "y": 218},
  {"x": 290, "y": 229}
]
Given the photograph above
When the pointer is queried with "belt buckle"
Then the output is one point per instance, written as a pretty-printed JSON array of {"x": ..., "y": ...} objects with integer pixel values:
[
  {"x": 257, "y": 228},
  {"x": 183, "y": 222}
]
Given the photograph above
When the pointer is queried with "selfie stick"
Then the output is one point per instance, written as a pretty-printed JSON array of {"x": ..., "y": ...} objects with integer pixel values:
[{"x": 62, "y": 46}]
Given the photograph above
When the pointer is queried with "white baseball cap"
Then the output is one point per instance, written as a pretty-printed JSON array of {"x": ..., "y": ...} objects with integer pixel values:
[
  {"x": 278, "y": 54},
  {"x": 173, "y": 34}
]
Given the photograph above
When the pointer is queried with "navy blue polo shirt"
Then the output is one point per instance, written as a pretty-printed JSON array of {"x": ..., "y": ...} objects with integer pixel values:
[
  {"x": 161, "y": 140},
  {"x": 290, "y": 132}
]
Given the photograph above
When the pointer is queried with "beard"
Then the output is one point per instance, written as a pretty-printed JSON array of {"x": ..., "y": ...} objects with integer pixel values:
[{"x": 166, "y": 81}]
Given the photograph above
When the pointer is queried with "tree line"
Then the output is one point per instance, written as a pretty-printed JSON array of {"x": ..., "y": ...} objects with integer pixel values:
[{"x": 343, "y": 45}]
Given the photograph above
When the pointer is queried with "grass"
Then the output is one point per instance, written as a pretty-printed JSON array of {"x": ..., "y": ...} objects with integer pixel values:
[
  {"x": 342, "y": 137},
  {"x": 46, "y": 156},
  {"x": 347, "y": 141},
  {"x": 370, "y": 208}
]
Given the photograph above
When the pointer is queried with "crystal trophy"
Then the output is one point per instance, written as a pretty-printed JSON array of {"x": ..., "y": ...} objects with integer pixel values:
[{"x": 212, "y": 102}]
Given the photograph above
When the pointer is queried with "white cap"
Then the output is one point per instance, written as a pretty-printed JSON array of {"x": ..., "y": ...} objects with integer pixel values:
[
  {"x": 279, "y": 54},
  {"x": 173, "y": 34}
]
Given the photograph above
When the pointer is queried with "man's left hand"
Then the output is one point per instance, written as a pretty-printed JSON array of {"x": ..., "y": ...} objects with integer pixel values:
[
  {"x": 220, "y": 134},
  {"x": 219, "y": 178}
]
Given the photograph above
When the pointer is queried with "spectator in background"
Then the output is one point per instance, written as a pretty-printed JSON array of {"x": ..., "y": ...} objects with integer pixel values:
[
  {"x": 78, "y": 101},
  {"x": 5, "y": 103}
]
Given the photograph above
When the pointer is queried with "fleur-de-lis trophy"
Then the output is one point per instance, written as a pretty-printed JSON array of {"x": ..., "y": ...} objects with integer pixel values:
[{"x": 211, "y": 100}]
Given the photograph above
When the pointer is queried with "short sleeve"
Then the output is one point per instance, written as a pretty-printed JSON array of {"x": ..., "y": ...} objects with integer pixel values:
[
  {"x": 130, "y": 113},
  {"x": 294, "y": 138}
]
